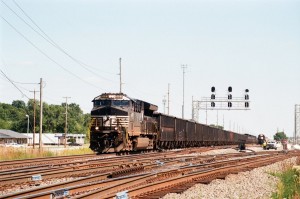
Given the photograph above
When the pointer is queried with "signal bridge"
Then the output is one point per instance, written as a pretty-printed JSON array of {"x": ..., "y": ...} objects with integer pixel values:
[{"x": 220, "y": 103}]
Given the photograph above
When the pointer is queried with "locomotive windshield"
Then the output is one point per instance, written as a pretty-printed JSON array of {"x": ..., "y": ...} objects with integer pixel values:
[
  {"x": 102, "y": 103},
  {"x": 120, "y": 102},
  {"x": 111, "y": 102}
]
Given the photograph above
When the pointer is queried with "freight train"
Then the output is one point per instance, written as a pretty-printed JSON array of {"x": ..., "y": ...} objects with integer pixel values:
[{"x": 120, "y": 123}]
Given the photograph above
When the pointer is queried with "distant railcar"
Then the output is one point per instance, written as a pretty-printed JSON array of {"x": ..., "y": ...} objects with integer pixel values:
[
  {"x": 261, "y": 138},
  {"x": 120, "y": 123}
]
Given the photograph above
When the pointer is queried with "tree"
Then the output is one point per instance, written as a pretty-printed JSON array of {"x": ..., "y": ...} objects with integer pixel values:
[
  {"x": 19, "y": 104},
  {"x": 13, "y": 117},
  {"x": 280, "y": 136}
]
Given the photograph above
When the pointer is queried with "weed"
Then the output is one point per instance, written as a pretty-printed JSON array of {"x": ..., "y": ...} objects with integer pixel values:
[
  {"x": 10, "y": 153},
  {"x": 289, "y": 185}
]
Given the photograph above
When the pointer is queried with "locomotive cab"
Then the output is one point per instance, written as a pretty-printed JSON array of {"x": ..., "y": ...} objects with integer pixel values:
[{"x": 119, "y": 123}]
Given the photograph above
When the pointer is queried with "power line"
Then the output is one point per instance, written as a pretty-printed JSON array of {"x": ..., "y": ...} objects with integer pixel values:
[
  {"x": 49, "y": 40},
  {"x": 24, "y": 82},
  {"x": 53, "y": 43},
  {"x": 65, "y": 69},
  {"x": 13, "y": 84}
]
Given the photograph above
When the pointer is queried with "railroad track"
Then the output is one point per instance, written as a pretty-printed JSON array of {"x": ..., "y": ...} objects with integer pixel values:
[
  {"x": 130, "y": 178},
  {"x": 13, "y": 165},
  {"x": 178, "y": 184},
  {"x": 79, "y": 167},
  {"x": 116, "y": 166},
  {"x": 22, "y": 176},
  {"x": 36, "y": 162}
]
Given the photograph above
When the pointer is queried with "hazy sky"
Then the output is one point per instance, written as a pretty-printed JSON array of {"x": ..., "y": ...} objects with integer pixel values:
[{"x": 243, "y": 44}]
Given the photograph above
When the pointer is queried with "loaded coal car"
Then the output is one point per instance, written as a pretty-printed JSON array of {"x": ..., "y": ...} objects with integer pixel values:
[
  {"x": 120, "y": 123},
  {"x": 251, "y": 138}
]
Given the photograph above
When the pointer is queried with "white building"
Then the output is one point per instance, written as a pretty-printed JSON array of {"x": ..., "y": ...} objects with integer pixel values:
[{"x": 57, "y": 138}]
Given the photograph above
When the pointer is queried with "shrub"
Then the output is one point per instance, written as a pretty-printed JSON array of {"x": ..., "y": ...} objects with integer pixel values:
[{"x": 289, "y": 185}]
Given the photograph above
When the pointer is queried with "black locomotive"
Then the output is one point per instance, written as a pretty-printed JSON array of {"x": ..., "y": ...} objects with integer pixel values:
[
  {"x": 120, "y": 123},
  {"x": 261, "y": 138}
]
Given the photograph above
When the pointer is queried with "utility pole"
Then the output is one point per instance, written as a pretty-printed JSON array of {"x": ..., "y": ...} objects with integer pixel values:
[
  {"x": 168, "y": 99},
  {"x": 41, "y": 114},
  {"x": 66, "y": 124},
  {"x": 34, "y": 108},
  {"x": 183, "y": 70},
  {"x": 120, "y": 75}
]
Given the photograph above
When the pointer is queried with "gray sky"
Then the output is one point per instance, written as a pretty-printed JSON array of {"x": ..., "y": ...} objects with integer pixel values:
[{"x": 243, "y": 44}]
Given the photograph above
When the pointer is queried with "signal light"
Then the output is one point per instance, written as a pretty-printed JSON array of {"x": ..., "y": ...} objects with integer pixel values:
[
  {"x": 229, "y": 104},
  {"x": 212, "y": 104},
  {"x": 213, "y": 89},
  {"x": 229, "y": 89},
  {"x": 213, "y": 96},
  {"x": 247, "y": 90}
]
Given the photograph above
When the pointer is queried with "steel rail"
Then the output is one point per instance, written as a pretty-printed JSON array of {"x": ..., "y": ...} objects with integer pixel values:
[
  {"x": 204, "y": 177},
  {"x": 101, "y": 190},
  {"x": 118, "y": 172}
]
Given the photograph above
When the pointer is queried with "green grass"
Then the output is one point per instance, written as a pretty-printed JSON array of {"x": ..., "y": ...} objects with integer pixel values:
[
  {"x": 289, "y": 184},
  {"x": 10, "y": 153}
]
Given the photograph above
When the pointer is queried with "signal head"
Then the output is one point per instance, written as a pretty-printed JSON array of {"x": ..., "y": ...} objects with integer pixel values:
[
  {"x": 229, "y": 89},
  {"x": 213, "y": 89}
]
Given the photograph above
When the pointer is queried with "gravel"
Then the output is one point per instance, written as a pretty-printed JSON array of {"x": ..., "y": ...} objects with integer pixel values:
[{"x": 254, "y": 184}]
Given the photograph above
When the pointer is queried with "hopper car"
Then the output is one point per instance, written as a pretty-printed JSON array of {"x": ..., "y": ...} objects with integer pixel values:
[{"x": 120, "y": 123}]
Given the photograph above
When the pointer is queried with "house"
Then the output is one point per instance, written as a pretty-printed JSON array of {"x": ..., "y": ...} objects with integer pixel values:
[{"x": 9, "y": 136}]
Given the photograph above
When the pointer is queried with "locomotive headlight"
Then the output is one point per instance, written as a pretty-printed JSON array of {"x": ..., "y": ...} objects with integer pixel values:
[
  {"x": 116, "y": 128},
  {"x": 97, "y": 128}
]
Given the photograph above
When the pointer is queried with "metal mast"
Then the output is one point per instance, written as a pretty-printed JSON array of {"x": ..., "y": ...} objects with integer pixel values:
[
  {"x": 168, "y": 99},
  {"x": 164, "y": 103},
  {"x": 195, "y": 110},
  {"x": 193, "y": 107},
  {"x": 297, "y": 123},
  {"x": 183, "y": 73},
  {"x": 120, "y": 60}
]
